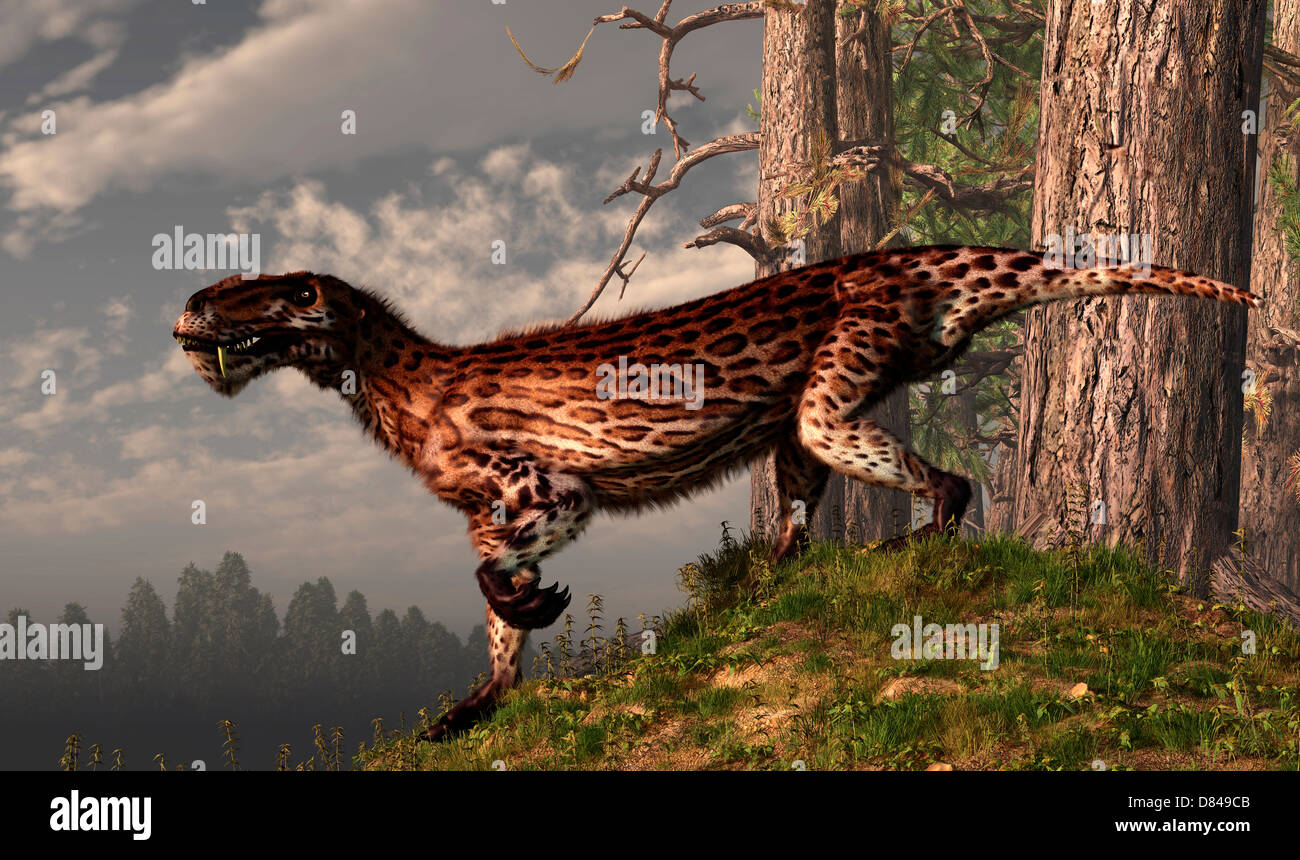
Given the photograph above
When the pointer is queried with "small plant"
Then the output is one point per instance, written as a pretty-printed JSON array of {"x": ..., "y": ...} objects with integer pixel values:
[
  {"x": 591, "y": 643},
  {"x": 322, "y": 746},
  {"x": 230, "y": 744},
  {"x": 71, "y": 752}
]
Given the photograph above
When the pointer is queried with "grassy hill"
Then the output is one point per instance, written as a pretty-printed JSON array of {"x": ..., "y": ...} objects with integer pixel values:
[{"x": 1102, "y": 662}]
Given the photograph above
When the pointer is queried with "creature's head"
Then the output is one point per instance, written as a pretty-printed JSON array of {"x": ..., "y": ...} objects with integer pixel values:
[{"x": 236, "y": 330}]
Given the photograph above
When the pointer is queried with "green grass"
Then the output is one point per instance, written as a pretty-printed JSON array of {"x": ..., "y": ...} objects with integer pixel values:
[{"x": 765, "y": 667}]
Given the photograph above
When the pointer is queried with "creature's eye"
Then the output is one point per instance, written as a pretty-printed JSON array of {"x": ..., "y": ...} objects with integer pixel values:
[
  {"x": 194, "y": 304},
  {"x": 304, "y": 297}
]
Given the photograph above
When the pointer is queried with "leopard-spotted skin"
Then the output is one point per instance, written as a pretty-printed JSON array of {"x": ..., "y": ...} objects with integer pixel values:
[{"x": 519, "y": 428}]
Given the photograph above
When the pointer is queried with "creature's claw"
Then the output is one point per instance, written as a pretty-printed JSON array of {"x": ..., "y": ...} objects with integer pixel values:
[
  {"x": 527, "y": 606},
  {"x": 896, "y": 543},
  {"x": 468, "y": 711},
  {"x": 948, "y": 510},
  {"x": 434, "y": 733}
]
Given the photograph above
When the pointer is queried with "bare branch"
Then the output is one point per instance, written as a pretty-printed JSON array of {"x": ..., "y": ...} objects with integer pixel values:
[
  {"x": 991, "y": 197},
  {"x": 634, "y": 20},
  {"x": 1278, "y": 55},
  {"x": 755, "y": 246},
  {"x": 978, "y": 366},
  {"x": 1026, "y": 9},
  {"x": 1282, "y": 63},
  {"x": 627, "y": 276},
  {"x": 925, "y": 24},
  {"x": 986, "y": 82},
  {"x": 649, "y": 194},
  {"x": 747, "y": 212},
  {"x": 1290, "y": 75},
  {"x": 1284, "y": 343},
  {"x": 957, "y": 144}
]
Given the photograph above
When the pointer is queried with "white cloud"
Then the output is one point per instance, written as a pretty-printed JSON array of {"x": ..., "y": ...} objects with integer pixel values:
[
  {"x": 79, "y": 396},
  {"x": 119, "y": 313},
  {"x": 197, "y": 120},
  {"x": 51, "y": 349},
  {"x": 11, "y": 458},
  {"x": 503, "y": 163},
  {"x": 77, "y": 78},
  {"x": 29, "y": 23},
  {"x": 415, "y": 80}
]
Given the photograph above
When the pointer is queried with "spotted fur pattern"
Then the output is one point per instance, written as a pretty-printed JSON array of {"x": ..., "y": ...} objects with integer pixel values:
[{"x": 517, "y": 434}]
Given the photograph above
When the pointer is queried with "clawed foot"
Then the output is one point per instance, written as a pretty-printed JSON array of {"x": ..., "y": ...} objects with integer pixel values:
[
  {"x": 897, "y": 543},
  {"x": 435, "y": 732},
  {"x": 463, "y": 715},
  {"x": 948, "y": 510},
  {"x": 527, "y": 606}
]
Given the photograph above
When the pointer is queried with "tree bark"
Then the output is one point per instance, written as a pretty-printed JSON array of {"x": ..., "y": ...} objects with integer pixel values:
[
  {"x": 967, "y": 421},
  {"x": 798, "y": 104},
  {"x": 1138, "y": 401},
  {"x": 813, "y": 85},
  {"x": 865, "y": 109},
  {"x": 1269, "y": 513}
]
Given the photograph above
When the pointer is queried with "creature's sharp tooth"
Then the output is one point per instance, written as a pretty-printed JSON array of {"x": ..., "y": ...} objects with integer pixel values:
[
  {"x": 253, "y": 340},
  {"x": 221, "y": 360}
]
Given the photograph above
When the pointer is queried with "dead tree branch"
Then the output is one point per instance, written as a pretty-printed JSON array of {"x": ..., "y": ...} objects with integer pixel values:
[
  {"x": 650, "y": 192},
  {"x": 1282, "y": 63},
  {"x": 634, "y": 20},
  {"x": 990, "y": 197},
  {"x": 754, "y": 244}
]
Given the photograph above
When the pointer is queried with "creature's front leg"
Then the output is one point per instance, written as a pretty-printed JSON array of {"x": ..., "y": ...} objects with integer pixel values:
[
  {"x": 543, "y": 511},
  {"x": 506, "y": 651},
  {"x": 557, "y": 509}
]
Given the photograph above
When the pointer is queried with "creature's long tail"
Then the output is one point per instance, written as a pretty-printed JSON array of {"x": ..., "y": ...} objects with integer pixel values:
[{"x": 995, "y": 282}]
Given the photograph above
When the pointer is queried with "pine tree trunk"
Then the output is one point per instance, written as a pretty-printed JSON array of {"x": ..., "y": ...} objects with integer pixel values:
[
  {"x": 812, "y": 85},
  {"x": 798, "y": 104},
  {"x": 967, "y": 421},
  {"x": 1269, "y": 513},
  {"x": 865, "y": 99},
  {"x": 1136, "y": 402}
]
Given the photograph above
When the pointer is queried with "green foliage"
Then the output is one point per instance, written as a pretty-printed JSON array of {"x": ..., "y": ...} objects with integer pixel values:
[{"x": 713, "y": 581}]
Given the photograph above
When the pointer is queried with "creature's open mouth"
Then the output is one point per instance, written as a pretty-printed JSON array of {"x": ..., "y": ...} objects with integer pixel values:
[{"x": 250, "y": 346}]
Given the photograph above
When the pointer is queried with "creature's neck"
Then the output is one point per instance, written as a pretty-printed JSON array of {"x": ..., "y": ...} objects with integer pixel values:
[{"x": 393, "y": 382}]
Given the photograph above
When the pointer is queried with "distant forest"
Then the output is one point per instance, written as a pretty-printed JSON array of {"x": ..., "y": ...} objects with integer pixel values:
[{"x": 224, "y": 655}]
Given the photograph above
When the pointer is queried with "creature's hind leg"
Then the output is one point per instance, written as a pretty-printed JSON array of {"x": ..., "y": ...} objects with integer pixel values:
[
  {"x": 844, "y": 378},
  {"x": 800, "y": 478}
]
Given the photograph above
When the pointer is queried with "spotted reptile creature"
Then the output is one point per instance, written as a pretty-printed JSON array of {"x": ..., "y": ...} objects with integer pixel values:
[{"x": 525, "y": 437}]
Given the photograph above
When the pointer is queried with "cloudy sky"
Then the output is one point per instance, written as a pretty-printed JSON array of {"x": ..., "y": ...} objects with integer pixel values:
[{"x": 226, "y": 116}]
